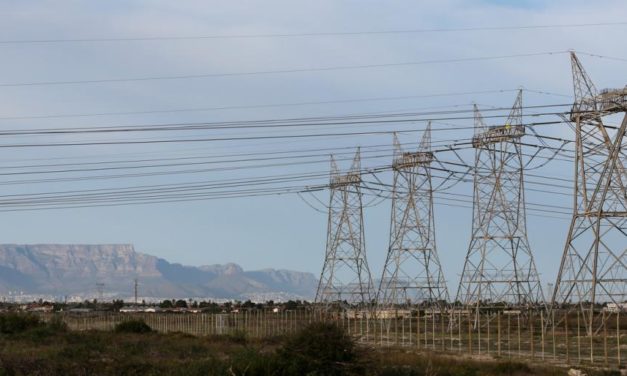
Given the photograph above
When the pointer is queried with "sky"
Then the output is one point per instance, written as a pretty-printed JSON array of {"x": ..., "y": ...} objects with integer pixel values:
[{"x": 278, "y": 231}]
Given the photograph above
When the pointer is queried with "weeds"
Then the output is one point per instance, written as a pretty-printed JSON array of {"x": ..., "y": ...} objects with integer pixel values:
[{"x": 318, "y": 349}]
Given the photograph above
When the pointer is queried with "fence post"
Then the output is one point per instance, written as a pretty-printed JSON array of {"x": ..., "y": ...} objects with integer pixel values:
[
  {"x": 542, "y": 333},
  {"x": 479, "y": 332},
  {"x": 469, "y": 335},
  {"x": 450, "y": 328},
  {"x": 553, "y": 333},
  {"x": 459, "y": 328},
  {"x": 518, "y": 330},
  {"x": 368, "y": 326},
  {"x": 409, "y": 330},
  {"x": 579, "y": 338},
  {"x": 380, "y": 322},
  {"x": 618, "y": 336},
  {"x": 361, "y": 325},
  {"x": 591, "y": 339},
  {"x": 403, "y": 331},
  {"x": 498, "y": 333},
  {"x": 426, "y": 332},
  {"x": 604, "y": 339},
  {"x": 442, "y": 330},
  {"x": 433, "y": 328},
  {"x": 489, "y": 319},
  {"x": 566, "y": 335},
  {"x": 509, "y": 337},
  {"x": 396, "y": 328},
  {"x": 418, "y": 329},
  {"x": 531, "y": 337}
]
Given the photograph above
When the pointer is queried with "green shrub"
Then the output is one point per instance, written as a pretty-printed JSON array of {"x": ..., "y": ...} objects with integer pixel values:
[
  {"x": 13, "y": 323},
  {"x": 319, "y": 349},
  {"x": 510, "y": 368},
  {"x": 133, "y": 326}
]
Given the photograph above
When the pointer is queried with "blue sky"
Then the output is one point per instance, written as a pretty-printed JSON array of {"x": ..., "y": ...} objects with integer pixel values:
[{"x": 277, "y": 231}]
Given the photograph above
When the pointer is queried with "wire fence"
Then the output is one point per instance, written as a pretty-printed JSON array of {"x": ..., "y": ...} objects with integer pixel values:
[{"x": 555, "y": 336}]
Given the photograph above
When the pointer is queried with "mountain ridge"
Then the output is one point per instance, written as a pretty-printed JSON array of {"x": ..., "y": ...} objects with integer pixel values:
[{"x": 110, "y": 269}]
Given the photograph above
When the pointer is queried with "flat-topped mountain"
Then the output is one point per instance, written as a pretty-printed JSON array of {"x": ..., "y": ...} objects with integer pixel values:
[{"x": 72, "y": 269}]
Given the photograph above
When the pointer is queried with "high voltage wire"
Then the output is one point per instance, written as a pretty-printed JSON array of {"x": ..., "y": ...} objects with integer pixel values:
[
  {"x": 250, "y": 157},
  {"x": 283, "y": 123},
  {"x": 176, "y": 197},
  {"x": 311, "y": 34},
  {"x": 182, "y": 164},
  {"x": 235, "y": 138},
  {"x": 276, "y": 123},
  {"x": 150, "y": 196},
  {"x": 256, "y": 157},
  {"x": 230, "y": 189},
  {"x": 334, "y": 150},
  {"x": 101, "y": 193},
  {"x": 211, "y": 162},
  {"x": 282, "y": 71},
  {"x": 273, "y": 105},
  {"x": 602, "y": 56},
  {"x": 231, "y": 123},
  {"x": 266, "y": 185}
]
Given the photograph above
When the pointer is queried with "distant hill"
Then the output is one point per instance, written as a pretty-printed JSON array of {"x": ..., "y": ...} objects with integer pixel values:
[{"x": 70, "y": 269}]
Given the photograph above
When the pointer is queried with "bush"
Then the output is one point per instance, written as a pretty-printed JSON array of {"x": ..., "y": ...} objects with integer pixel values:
[
  {"x": 319, "y": 349},
  {"x": 510, "y": 368},
  {"x": 13, "y": 323},
  {"x": 133, "y": 326}
]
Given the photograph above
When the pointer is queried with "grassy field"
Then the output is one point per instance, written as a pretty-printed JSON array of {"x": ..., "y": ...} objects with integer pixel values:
[{"x": 31, "y": 347}]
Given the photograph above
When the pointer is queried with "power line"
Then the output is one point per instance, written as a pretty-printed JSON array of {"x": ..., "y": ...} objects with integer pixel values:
[
  {"x": 269, "y": 105},
  {"x": 311, "y": 34},
  {"x": 281, "y": 71},
  {"x": 602, "y": 56},
  {"x": 123, "y": 193},
  {"x": 235, "y": 138},
  {"x": 283, "y": 123}
]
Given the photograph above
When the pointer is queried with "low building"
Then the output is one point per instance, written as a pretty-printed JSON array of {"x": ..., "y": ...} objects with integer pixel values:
[
  {"x": 40, "y": 308},
  {"x": 615, "y": 307}
]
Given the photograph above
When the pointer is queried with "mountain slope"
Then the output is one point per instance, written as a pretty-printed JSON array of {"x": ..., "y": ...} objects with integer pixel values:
[{"x": 57, "y": 269}]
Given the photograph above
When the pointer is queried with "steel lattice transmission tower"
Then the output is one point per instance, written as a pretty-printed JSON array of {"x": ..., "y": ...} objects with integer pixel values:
[
  {"x": 594, "y": 264},
  {"x": 499, "y": 266},
  {"x": 345, "y": 275},
  {"x": 412, "y": 273}
]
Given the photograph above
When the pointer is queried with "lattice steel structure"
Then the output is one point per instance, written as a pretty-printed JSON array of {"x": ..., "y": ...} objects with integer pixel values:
[
  {"x": 499, "y": 266},
  {"x": 594, "y": 264},
  {"x": 345, "y": 277},
  {"x": 412, "y": 273}
]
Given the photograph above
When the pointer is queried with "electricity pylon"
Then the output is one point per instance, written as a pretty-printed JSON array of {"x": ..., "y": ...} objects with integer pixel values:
[
  {"x": 499, "y": 266},
  {"x": 345, "y": 277},
  {"x": 594, "y": 264},
  {"x": 412, "y": 273}
]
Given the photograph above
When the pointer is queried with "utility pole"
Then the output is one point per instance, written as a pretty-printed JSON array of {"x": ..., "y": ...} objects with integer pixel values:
[
  {"x": 593, "y": 269},
  {"x": 499, "y": 266},
  {"x": 412, "y": 273},
  {"x": 345, "y": 274},
  {"x": 135, "y": 285}
]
